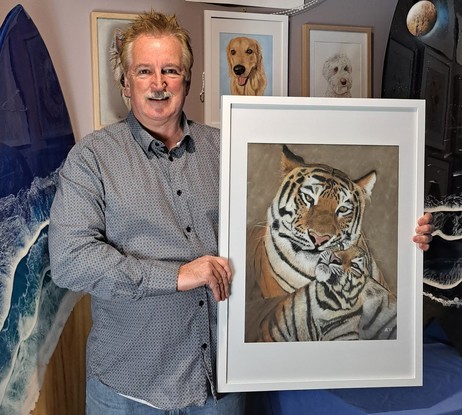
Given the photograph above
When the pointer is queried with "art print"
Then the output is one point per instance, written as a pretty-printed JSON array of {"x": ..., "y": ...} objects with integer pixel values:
[
  {"x": 312, "y": 270},
  {"x": 246, "y": 64}
]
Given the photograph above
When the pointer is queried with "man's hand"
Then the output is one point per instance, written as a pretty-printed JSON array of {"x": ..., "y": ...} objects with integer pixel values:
[
  {"x": 207, "y": 270},
  {"x": 423, "y": 232}
]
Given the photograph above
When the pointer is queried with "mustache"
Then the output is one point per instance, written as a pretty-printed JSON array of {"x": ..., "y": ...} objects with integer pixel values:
[{"x": 159, "y": 95}]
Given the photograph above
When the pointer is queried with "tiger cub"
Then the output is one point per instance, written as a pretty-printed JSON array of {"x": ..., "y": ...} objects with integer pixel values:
[
  {"x": 329, "y": 308},
  {"x": 316, "y": 209}
]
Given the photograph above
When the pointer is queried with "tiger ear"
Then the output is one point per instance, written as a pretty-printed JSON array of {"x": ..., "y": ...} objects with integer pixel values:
[
  {"x": 290, "y": 161},
  {"x": 367, "y": 182}
]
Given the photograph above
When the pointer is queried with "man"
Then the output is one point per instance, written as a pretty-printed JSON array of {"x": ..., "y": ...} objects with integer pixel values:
[{"x": 135, "y": 224}]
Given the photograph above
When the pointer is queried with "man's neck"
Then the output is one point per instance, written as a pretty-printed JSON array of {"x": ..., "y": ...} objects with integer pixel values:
[{"x": 169, "y": 133}]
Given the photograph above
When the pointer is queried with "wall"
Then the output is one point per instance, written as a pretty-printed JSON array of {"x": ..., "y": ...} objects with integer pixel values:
[{"x": 65, "y": 27}]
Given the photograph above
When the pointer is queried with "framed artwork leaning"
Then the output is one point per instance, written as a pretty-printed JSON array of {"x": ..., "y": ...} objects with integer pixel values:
[
  {"x": 317, "y": 215},
  {"x": 336, "y": 61}
]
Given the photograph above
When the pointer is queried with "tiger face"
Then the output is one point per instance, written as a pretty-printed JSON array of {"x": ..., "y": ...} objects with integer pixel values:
[
  {"x": 341, "y": 276},
  {"x": 316, "y": 209}
]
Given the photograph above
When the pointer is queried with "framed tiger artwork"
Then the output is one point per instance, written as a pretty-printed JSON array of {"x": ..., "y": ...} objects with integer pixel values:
[{"x": 319, "y": 198}]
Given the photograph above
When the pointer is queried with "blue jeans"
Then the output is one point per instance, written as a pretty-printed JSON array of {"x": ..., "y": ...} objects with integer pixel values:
[{"x": 102, "y": 400}]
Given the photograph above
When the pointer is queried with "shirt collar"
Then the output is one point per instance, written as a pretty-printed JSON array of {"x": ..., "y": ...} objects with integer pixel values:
[{"x": 149, "y": 143}]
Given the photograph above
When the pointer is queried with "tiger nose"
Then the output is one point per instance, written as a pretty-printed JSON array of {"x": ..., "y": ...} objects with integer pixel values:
[
  {"x": 335, "y": 258},
  {"x": 319, "y": 239}
]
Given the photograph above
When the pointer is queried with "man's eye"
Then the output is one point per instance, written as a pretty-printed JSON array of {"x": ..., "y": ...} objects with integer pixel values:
[
  {"x": 144, "y": 72},
  {"x": 172, "y": 72}
]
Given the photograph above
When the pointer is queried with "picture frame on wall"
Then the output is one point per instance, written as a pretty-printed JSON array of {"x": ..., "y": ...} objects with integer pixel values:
[
  {"x": 108, "y": 104},
  {"x": 256, "y": 133},
  {"x": 399, "y": 72},
  {"x": 437, "y": 177},
  {"x": 457, "y": 114},
  {"x": 336, "y": 61},
  {"x": 436, "y": 77},
  {"x": 245, "y": 53}
]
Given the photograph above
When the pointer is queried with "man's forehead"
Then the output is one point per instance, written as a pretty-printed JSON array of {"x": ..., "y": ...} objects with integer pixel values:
[{"x": 155, "y": 48}]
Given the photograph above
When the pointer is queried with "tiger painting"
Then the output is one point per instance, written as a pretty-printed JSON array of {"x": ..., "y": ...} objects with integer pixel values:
[
  {"x": 330, "y": 307},
  {"x": 317, "y": 213}
]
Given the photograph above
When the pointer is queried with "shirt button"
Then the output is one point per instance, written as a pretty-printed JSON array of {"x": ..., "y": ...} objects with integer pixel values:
[
  {"x": 204, "y": 346},
  {"x": 201, "y": 303},
  {"x": 178, "y": 192},
  {"x": 188, "y": 229},
  {"x": 170, "y": 158}
]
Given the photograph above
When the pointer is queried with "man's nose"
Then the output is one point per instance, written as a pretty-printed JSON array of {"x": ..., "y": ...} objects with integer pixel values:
[{"x": 158, "y": 80}]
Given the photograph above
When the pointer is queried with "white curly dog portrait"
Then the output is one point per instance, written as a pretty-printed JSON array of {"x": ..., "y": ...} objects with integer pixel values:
[{"x": 337, "y": 72}]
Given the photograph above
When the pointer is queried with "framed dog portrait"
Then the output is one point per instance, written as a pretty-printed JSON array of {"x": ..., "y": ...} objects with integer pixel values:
[
  {"x": 108, "y": 105},
  {"x": 336, "y": 61},
  {"x": 316, "y": 217},
  {"x": 245, "y": 54}
]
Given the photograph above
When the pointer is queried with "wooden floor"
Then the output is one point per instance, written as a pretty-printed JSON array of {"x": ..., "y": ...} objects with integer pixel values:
[{"x": 63, "y": 390}]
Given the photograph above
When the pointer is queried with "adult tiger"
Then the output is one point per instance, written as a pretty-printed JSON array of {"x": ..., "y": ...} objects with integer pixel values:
[
  {"x": 331, "y": 307},
  {"x": 317, "y": 208}
]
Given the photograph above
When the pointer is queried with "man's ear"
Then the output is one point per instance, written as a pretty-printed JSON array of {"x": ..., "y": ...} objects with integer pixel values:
[{"x": 126, "y": 86}]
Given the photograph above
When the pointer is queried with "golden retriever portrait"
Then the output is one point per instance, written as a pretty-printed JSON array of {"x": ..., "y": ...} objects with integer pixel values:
[{"x": 245, "y": 65}]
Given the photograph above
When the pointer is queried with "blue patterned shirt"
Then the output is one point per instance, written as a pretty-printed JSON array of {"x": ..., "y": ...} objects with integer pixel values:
[{"x": 126, "y": 215}]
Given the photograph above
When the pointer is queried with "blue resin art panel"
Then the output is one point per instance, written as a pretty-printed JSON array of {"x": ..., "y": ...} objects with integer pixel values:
[{"x": 35, "y": 137}]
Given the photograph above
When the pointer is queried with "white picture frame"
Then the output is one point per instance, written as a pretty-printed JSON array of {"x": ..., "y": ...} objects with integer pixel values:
[
  {"x": 320, "y": 43},
  {"x": 271, "y": 31},
  {"x": 399, "y": 124}
]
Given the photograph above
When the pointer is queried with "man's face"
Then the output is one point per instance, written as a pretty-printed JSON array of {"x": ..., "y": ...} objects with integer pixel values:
[{"x": 155, "y": 82}]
